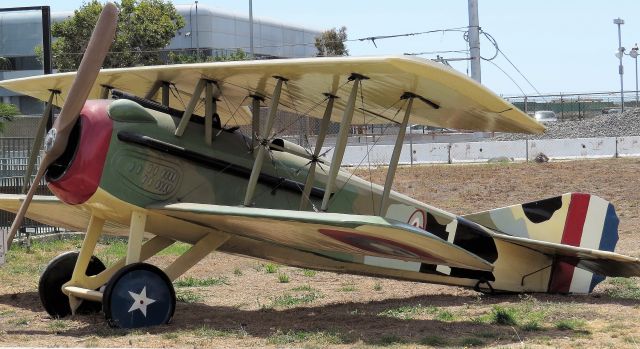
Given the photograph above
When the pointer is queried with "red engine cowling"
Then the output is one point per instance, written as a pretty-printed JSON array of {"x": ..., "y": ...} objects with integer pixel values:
[{"x": 75, "y": 176}]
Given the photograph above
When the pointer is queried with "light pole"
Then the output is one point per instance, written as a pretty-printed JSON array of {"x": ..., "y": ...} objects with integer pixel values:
[
  {"x": 619, "y": 21},
  {"x": 197, "y": 35},
  {"x": 634, "y": 54},
  {"x": 253, "y": 56}
]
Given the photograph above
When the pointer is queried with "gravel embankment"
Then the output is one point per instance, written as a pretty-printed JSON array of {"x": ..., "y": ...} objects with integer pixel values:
[{"x": 605, "y": 125}]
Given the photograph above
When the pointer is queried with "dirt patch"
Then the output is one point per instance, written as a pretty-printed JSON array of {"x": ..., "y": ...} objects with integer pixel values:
[{"x": 252, "y": 303}]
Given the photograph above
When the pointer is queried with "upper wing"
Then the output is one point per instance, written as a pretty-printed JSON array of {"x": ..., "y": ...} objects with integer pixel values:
[
  {"x": 329, "y": 233},
  {"x": 448, "y": 99}
]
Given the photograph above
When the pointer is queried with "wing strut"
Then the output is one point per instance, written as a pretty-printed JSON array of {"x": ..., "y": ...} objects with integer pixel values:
[
  {"x": 255, "y": 119},
  {"x": 324, "y": 126},
  {"x": 165, "y": 91},
  {"x": 257, "y": 164},
  {"x": 210, "y": 107},
  {"x": 190, "y": 107},
  {"x": 341, "y": 142},
  {"x": 395, "y": 156},
  {"x": 105, "y": 91}
]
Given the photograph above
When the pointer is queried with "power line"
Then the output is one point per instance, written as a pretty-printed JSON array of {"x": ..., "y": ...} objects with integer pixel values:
[
  {"x": 382, "y": 37},
  {"x": 373, "y": 40},
  {"x": 369, "y": 38},
  {"x": 509, "y": 76},
  {"x": 435, "y": 52},
  {"x": 498, "y": 50}
]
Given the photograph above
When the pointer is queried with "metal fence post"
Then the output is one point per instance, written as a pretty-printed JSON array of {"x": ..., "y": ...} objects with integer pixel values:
[{"x": 561, "y": 107}]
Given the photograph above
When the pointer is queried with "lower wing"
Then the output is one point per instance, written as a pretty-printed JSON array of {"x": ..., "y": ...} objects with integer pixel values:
[
  {"x": 358, "y": 236},
  {"x": 51, "y": 211}
]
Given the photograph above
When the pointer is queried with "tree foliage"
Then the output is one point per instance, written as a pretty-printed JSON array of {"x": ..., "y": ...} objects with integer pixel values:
[
  {"x": 331, "y": 42},
  {"x": 5, "y": 63},
  {"x": 7, "y": 112},
  {"x": 144, "y": 28}
]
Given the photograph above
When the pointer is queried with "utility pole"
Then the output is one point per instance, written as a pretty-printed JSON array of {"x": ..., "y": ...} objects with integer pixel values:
[{"x": 474, "y": 40}]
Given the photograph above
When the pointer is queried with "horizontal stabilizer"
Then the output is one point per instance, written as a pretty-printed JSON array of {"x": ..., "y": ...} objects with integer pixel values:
[{"x": 598, "y": 262}]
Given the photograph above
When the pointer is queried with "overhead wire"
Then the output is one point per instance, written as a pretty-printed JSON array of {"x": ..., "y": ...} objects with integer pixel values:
[
  {"x": 493, "y": 42},
  {"x": 369, "y": 38}
]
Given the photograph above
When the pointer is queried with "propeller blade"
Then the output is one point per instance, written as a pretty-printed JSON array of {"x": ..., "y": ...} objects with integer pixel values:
[
  {"x": 58, "y": 137},
  {"x": 99, "y": 44},
  {"x": 37, "y": 144}
]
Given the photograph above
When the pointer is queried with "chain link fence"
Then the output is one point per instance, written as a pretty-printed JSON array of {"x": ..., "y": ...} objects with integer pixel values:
[{"x": 572, "y": 106}]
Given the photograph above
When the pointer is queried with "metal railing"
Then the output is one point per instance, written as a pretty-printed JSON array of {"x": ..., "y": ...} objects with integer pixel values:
[{"x": 14, "y": 157}]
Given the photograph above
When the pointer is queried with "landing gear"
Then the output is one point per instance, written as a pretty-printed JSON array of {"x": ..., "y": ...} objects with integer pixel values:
[
  {"x": 57, "y": 273},
  {"x": 139, "y": 295},
  {"x": 136, "y": 294}
]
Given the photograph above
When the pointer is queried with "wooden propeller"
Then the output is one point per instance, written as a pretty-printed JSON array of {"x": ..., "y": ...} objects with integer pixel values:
[{"x": 58, "y": 137}]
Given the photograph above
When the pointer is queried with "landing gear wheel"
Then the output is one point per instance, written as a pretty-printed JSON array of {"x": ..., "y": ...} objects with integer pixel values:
[
  {"x": 56, "y": 274},
  {"x": 139, "y": 295}
]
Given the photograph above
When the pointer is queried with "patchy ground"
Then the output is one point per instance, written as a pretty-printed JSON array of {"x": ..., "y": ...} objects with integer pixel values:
[{"x": 229, "y": 301}]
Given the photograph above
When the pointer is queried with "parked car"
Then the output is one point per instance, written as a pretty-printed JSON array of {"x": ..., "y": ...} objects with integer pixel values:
[
  {"x": 545, "y": 116},
  {"x": 421, "y": 129},
  {"x": 611, "y": 110}
]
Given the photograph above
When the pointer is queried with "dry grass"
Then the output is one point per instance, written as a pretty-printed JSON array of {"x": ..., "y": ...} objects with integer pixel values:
[{"x": 231, "y": 301}]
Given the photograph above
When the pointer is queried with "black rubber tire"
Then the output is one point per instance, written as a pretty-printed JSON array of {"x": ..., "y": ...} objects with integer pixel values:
[
  {"x": 56, "y": 274},
  {"x": 139, "y": 278}
]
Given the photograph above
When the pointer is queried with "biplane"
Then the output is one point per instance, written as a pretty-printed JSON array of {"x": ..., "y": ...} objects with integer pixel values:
[{"x": 124, "y": 159}]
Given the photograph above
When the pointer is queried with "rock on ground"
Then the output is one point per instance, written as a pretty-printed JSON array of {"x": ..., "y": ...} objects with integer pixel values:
[{"x": 605, "y": 125}]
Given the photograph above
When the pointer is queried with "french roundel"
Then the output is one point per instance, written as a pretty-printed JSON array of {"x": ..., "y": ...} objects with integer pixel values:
[{"x": 418, "y": 219}]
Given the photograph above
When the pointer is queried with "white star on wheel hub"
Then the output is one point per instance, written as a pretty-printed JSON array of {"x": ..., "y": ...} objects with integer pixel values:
[{"x": 141, "y": 301}]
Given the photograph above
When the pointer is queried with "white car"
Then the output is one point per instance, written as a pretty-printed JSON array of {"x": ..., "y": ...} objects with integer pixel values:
[{"x": 545, "y": 116}]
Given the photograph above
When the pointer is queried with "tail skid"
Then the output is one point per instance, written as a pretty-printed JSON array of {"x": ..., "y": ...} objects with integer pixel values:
[{"x": 577, "y": 230}]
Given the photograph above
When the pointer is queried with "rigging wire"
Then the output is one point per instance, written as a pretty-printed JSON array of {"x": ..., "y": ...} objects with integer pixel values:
[
  {"x": 366, "y": 143},
  {"x": 368, "y": 151}
]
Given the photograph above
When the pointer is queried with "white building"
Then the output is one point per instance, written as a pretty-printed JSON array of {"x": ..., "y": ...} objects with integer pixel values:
[{"x": 209, "y": 31}]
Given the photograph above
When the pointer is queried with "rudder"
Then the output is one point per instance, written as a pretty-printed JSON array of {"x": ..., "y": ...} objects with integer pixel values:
[{"x": 574, "y": 219}]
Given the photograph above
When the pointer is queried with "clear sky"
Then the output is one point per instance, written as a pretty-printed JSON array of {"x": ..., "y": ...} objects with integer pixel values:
[{"x": 560, "y": 45}]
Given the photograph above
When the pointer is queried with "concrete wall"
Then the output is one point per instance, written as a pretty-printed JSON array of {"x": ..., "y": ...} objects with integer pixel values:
[
  {"x": 485, "y": 151},
  {"x": 478, "y": 152},
  {"x": 629, "y": 146},
  {"x": 577, "y": 148}
]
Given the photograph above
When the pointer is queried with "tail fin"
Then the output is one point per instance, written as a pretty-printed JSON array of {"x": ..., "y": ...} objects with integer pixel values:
[{"x": 573, "y": 219}]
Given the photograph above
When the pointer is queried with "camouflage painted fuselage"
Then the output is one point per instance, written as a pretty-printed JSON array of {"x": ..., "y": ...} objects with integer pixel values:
[{"x": 146, "y": 164}]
